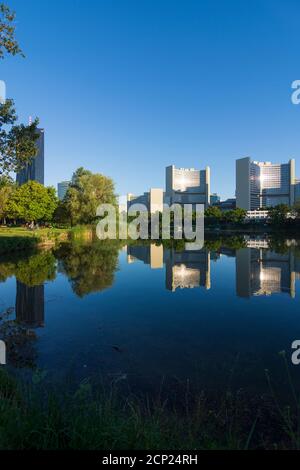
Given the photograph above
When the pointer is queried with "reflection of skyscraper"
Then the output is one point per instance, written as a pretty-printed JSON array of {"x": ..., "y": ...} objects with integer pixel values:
[
  {"x": 188, "y": 269},
  {"x": 184, "y": 269},
  {"x": 263, "y": 272},
  {"x": 34, "y": 171},
  {"x": 30, "y": 305},
  {"x": 150, "y": 254}
]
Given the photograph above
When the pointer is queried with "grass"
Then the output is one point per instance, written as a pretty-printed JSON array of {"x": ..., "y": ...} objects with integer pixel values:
[
  {"x": 36, "y": 416},
  {"x": 14, "y": 239}
]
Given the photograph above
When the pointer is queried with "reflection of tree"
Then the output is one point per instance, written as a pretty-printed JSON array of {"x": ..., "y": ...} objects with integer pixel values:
[
  {"x": 7, "y": 269},
  {"x": 90, "y": 267},
  {"x": 31, "y": 271}
]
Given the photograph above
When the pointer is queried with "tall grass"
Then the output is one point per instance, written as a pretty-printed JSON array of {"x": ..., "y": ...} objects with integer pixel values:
[{"x": 33, "y": 416}]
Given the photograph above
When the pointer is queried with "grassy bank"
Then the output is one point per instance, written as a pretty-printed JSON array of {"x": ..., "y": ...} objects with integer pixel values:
[
  {"x": 20, "y": 239},
  {"x": 36, "y": 418}
]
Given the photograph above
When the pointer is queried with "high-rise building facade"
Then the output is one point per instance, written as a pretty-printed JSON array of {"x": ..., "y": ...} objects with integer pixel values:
[
  {"x": 34, "y": 171},
  {"x": 264, "y": 184},
  {"x": 297, "y": 190},
  {"x": 215, "y": 199},
  {"x": 62, "y": 189},
  {"x": 152, "y": 200},
  {"x": 187, "y": 186}
]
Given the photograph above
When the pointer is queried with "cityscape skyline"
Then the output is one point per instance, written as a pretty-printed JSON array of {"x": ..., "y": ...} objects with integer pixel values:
[{"x": 168, "y": 108}]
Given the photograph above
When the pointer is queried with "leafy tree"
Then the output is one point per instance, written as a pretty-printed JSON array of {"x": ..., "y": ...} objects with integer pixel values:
[
  {"x": 17, "y": 142},
  {"x": 7, "y": 188},
  {"x": 213, "y": 212},
  {"x": 86, "y": 192},
  {"x": 296, "y": 209},
  {"x": 8, "y": 43},
  {"x": 278, "y": 214},
  {"x": 61, "y": 215},
  {"x": 32, "y": 202},
  {"x": 235, "y": 216}
]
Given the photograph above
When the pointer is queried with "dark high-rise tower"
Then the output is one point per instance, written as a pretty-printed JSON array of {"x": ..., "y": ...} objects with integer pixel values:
[{"x": 34, "y": 171}]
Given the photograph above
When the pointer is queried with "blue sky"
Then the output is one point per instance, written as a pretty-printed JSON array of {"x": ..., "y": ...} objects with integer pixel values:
[{"x": 127, "y": 87}]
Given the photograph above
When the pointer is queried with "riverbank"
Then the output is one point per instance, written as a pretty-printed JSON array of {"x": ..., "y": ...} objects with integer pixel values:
[{"x": 16, "y": 239}]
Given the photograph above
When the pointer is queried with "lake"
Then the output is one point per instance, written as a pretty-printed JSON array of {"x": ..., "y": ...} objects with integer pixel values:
[{"x": 155, "y": 317}]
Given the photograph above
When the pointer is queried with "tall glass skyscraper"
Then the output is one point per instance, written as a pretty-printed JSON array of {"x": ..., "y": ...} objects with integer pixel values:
[
  {"x": 34, "y": 171},
  {"x": 187, "y": 186},
  {"x": 62, "y": 189},
  {"x": 264, "y": 184}
]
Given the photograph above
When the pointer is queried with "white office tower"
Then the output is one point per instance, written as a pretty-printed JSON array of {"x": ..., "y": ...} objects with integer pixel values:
[
  {"x": 264, "y": 184},
  {"x": 187, "y": 186}
]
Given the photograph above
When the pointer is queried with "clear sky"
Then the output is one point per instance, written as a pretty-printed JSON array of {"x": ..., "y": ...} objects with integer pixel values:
[{"x": 127, "y": 87}]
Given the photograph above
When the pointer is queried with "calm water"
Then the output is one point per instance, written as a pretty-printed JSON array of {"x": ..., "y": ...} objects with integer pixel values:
[{"x": 145, "y": 315}]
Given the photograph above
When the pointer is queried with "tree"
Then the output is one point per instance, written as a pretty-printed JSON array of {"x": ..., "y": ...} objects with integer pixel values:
[
  {"x": 32, "y": 202},
  {"x": 8, "y": 43},
  {"x": 296, "y": 209},
  {"x": 213, "y": 212},
  {"x": 278, "y": 214},
  {"x": 235, "y": 216},
  {"x": 17, "y": 142},
  {"x": 7, "y": 187},
  {"x": 87, "y": 191}
]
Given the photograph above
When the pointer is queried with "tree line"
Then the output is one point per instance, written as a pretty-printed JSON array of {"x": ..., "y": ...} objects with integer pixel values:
[{"x": 33, "y": 202}]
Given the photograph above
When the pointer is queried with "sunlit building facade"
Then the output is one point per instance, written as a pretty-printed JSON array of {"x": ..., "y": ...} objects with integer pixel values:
[
  {"x": 152, "y": 200},
  {"x": 187, "y": 186},
  {"x": 264, "y": 184}
]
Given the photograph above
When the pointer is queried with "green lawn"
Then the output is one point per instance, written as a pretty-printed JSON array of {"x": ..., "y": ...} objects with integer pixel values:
[{"x": 19, "y": 239}]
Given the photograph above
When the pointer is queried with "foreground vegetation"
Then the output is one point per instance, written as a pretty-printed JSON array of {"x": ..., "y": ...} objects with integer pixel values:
[{"x": 34, "y": 416}]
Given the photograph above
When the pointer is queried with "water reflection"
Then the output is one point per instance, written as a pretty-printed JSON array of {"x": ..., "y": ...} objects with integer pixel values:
[
  {"x": 179, "y": 315},
  {"x": 30, "y": 305},
  {"x": 259, "y": 270},
  {"x": 184, "y": 269},
  {"x": 89, "y": 267},
  {"x": 264, "y": 272}
]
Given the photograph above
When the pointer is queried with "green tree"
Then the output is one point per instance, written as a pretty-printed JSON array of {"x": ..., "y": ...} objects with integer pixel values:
[
  {"x": 296, "y": 209},
  {"x": 8, "y": 42},
  {"x": 278, "y": 214},
  {"x": 7, "y": 188},
  {"x": 32, "y": 202},
  {"x": 17, "y": 142},
  {"x": 235, "y": 216},
  {"x": 213, "y": 212},
  {"x": 86, "y": 192}
]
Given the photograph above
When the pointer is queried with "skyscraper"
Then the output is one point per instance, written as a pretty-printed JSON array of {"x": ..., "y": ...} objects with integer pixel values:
[
  {"x": 264, "y": 184},
  {"x": 34, "y": 171},
  {"x": 187, "y": 186},
  {"x": 62, "y": 189},
  {"x": 297, "y": 190}
]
